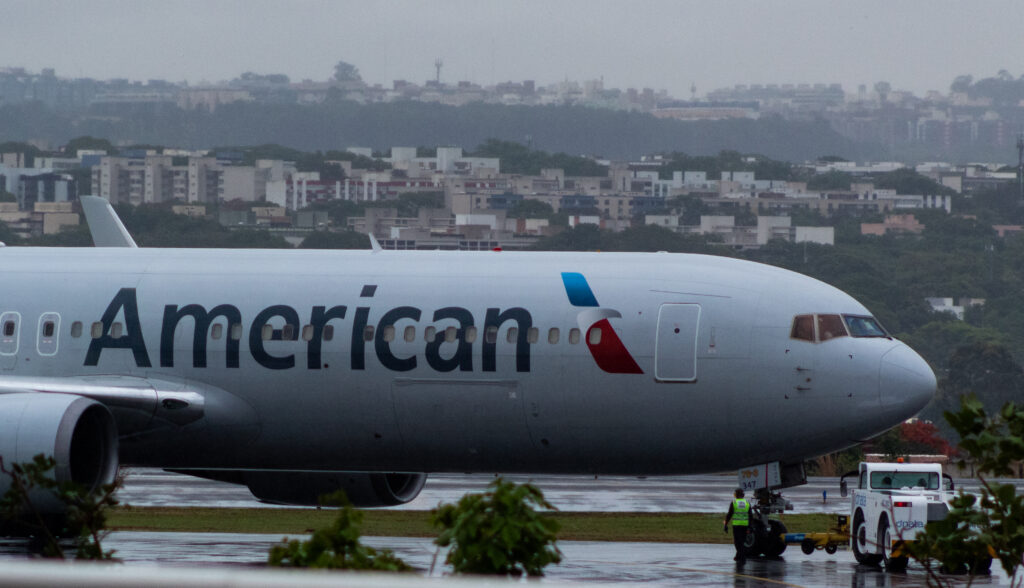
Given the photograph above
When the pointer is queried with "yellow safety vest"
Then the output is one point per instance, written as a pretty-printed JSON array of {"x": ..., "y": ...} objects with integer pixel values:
[{"x": 740, "y": 512}]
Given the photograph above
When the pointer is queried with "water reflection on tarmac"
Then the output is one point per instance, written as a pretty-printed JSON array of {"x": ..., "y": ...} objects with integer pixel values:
[
  {"x": 583, "y": 562},
  {"x": 708, "y": 493},
  {"x": 588, "y": 562}
]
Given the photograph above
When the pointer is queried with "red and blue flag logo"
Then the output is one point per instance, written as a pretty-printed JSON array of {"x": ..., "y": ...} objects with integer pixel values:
[{"x": 608, "y": 351}]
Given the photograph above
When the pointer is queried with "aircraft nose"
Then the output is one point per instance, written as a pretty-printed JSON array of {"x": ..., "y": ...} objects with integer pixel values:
[{"x": 906, "y": 382}]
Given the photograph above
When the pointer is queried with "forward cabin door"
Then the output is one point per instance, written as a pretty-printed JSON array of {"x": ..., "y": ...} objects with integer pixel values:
[{"x": 675, "y": 349}]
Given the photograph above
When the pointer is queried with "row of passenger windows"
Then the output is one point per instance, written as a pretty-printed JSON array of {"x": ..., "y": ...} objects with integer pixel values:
[
  {"x": 822, "y": 327},
  {"x": 287, "y": 333}
]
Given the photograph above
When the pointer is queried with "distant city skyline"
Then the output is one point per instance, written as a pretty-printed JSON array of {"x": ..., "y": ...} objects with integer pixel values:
[{"x": 915, "y": 45}]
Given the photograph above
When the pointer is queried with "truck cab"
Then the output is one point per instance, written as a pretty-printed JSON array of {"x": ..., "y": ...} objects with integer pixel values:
[{"x": 890, "y": 504}]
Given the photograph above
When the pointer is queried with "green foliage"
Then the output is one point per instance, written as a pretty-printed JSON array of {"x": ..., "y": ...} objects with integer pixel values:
[
  {"x": 649, "y": 238},
  {"x": 409, "y": 205},
  {"x": 530, "y": 208},
  {"x": 336, "y": 547},
  {"x": 72, "y": 148},
  {"x": 520, "y": 159},
  {"x": 498, "y": 532},
  {"x": 346, "y": 72},
  {"x": 85, "y": 513},
  {"x": 30, "y": 151},
  {"x": 6, "y": 196},
  {"x": 764, "y": 168},
  {"x": 335, "y": 240},
  {"x": 907, "y": 181},
  {"x": 830, "y": 180},
  {"x": 991, "y": 524}
]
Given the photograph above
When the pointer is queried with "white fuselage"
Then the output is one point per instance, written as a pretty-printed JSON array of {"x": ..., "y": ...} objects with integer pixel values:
[{"x": 343, "y": 360}]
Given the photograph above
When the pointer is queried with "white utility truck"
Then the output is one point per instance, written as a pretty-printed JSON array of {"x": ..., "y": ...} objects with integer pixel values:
[{"x": 890, "y": 505}]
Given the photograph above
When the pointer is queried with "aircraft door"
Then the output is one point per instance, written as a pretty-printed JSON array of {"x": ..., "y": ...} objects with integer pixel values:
[
  {"x": 675, "y": 349},
  {"x": 10, "y": 333}
]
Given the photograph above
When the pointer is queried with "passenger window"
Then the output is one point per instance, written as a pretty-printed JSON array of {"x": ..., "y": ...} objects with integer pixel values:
[
  {"x": 830, "y": 326},
  {"x": 236, "y": 331},
  {"x": 9, "y": 329},
  {"x": 532, "y": 334},
  {"x": 553, "y": 336},
  {"x": 449, "y": 334},
  {"x": 116, "y": 330},
  {"x": 267, "y": 333},
  {"x": 307, "y": 333},
  {"x": 512, "y": 335},
  {"x": 491, "y": 335},
  {"x": 96, "y": 330},
  {"x": 574, "y": 336},
  {"x": 470, "y": 334},
  {"x": 216, "y": 331},
  {"x": 429, "y": 334},
  {"x": 48, "y": 329},
  {"x": 328, "y": 332},
  {"x": 368, "y": 333},
  {"x": 76, "y": 329},
  {"x": 803, "y": 327},
  {"x": 410, "y": 334},
  {"x": 594, "y": 336},
  {"x": 389, "y": 333}
]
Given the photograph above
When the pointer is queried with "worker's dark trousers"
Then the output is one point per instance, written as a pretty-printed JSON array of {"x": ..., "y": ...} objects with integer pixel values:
[{"x": 739, "y": 535}]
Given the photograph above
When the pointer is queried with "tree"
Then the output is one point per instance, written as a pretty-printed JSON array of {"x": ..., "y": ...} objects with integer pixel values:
[
  {"x": 346, "y": 72},
  {"x": 991, "y": 524},
  {"x": 337, "y": 546},
  {"x": 961, "y": 83},
  {"x": 883, "y": 89},
  {"x": 830, "y": 180},
  {"x": 72, "y": 147},
  {"x": 498, "y": 532},
  {"x": 530, "y": 208},
  {"x": 85, "y": 512},
  {"x": 335, "y": 240}
]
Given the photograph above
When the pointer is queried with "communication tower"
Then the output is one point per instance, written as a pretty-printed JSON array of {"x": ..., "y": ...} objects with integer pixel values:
[{"x": 437, "y": 66}]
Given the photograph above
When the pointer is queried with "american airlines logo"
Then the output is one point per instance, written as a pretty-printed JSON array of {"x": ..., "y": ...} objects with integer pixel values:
[
  {"x": 602, "y": 341},
  {"x": 445, "y": 352}
]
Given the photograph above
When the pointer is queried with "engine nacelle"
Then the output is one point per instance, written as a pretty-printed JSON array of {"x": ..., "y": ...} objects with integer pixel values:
[
  {"x": 363, "y": 489},
  {"x": 79, "y": 433}
]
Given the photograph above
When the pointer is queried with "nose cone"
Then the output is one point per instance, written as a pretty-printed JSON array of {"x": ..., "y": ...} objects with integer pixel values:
[{"x": 906, "y": 382}]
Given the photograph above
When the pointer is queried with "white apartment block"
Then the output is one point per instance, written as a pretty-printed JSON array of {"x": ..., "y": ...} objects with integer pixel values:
[{"x": 156, "y": 178}]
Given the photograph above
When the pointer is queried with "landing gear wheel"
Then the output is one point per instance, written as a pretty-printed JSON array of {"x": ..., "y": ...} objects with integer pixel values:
[
  {"x": 892, "y": 564},
  {"x": 808, "y": 546},
  {"x": 860, "y": 544},
  {"x": 772, "y": 543}
]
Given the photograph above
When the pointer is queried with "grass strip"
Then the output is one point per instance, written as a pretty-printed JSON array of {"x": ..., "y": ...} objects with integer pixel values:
[{"x": 575, "y": 526}]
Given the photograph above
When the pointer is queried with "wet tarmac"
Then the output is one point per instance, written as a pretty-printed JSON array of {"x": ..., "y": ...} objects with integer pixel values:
[
  {"x": 583, "y": 561},
  {"x": 706, "y": 493}
]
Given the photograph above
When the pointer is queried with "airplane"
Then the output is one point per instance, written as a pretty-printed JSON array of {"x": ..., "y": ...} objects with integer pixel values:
[{"x": 300, "y": 372}]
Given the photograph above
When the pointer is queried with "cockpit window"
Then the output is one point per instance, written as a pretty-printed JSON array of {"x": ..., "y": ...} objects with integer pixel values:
[
  {"x": 803, "y": 327},
  {"x": 864, "y": 326},
  {"x": 830, "y": 326}
]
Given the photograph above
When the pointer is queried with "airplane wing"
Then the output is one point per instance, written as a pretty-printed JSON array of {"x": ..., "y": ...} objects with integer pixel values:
[{"x": 106, "y": 228}]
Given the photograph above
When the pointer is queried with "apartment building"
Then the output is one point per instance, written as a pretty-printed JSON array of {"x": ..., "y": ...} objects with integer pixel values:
[{"x": 148, "y": 177}]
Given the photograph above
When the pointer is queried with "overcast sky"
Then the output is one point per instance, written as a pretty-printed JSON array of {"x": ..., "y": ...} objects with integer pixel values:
[{"x": 916, "y": 45}]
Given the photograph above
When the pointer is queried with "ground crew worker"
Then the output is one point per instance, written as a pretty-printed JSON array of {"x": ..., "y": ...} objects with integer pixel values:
[{"x": 739, "y": 514}]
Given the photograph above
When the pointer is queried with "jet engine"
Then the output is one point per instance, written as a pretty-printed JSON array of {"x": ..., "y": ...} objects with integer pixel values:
[{"x": 79, "y": 433}]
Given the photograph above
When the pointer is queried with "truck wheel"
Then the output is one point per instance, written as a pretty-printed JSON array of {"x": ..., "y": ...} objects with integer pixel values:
[
  {"x": 808, "y": 546},
  {"x": 859, "y": 541},
  {"x": 831, "y": 548},
  {"x": 892, "y": 564}
]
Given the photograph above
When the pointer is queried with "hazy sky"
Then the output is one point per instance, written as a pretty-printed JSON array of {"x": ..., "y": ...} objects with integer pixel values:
[{"x": 916, "y": 45}]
